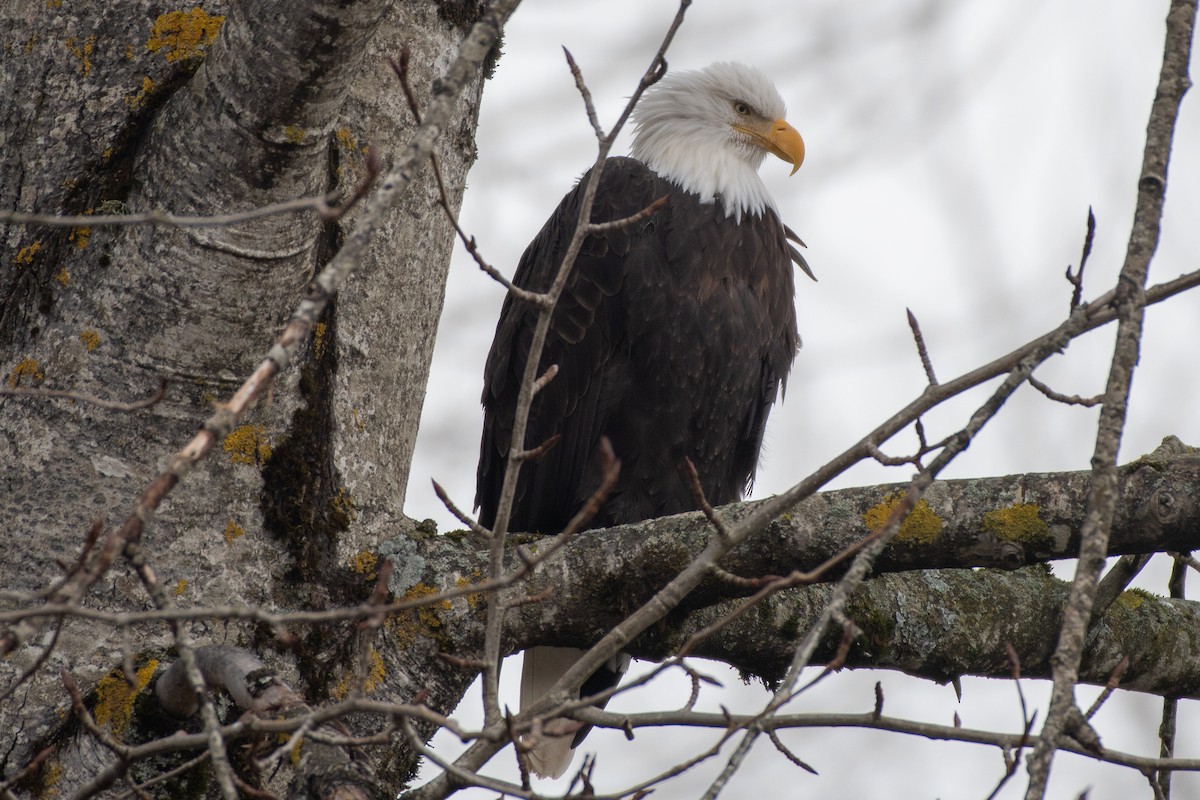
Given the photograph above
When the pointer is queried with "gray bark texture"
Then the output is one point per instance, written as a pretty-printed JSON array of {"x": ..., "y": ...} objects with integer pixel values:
[{"x": 131, "y": 106}]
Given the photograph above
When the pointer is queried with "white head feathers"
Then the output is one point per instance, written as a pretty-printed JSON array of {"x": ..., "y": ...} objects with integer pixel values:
[{"x": 684, "y": 131}]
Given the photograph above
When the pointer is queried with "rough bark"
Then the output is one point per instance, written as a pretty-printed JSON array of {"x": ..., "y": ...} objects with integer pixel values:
[
  {"x": 128, "y": 105},
  {"x": 132, "y": 106},
  {"x": 937, "y": 623}
]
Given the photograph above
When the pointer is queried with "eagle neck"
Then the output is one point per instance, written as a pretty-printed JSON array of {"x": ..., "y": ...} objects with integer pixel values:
[{"x": 712, "y": 173}]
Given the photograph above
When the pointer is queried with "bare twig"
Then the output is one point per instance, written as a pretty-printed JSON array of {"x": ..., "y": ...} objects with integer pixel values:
[
  {"x": 788, "y": 754},
  {"x": 536, "y": 453},
  {"x": 83, "y": 397},
  {"x": 922, "y": 351},
  {"x": 1076, "y": 279},
  {"x": 544, "y": 380},
  {"x": 327, "y": 208},
  {"x": 1114, "y": 582},
  {"x": 469, "y": 243},
  {"x": 585, "y": 93},
  {"x": 632, "y": 219},
  {"x": 1170, "y": 711},
  {"x": 1070, "y": 400},
  {"x": 1114, "y": 681},
  {"x": 1130, "y": 301},
  {"x": 702, "y": 501},
  {"x": 459, "y": 514}
]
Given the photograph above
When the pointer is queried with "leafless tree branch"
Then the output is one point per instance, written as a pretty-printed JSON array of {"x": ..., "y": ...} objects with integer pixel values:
[{"x": 1129, "y": 299}]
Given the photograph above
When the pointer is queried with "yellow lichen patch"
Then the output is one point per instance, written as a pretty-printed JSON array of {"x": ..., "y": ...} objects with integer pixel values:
[
  {"x": 473, "y": 598},
  {"x": 183, "y": 34},
  {"x": 376, "y": 672},
  {"x": 365, "y": 563},
  {"x": 25, "y": 368},
  {"x": 343, "y": 504},
  {"x": 90, "y": 339},
  {"x": 82, "y": 50},
  {"x": 921, "y": 526},
  {"x": 138, "y": 98},
  {"x": 319, "y": 331},
  {"x": 358, "y": 420},
  {"x": 51, "y": 774},
  {"x": 180, "y": 587},
  {"x": 406, "y": 625},
  {"x": 115, "y": 697},
  {"x": 293, "y": 134},
  {"x": 345, "y": 138},
  {"x": 53, "y": 4},
  {"x": 233, "y": 531},
  {"x": 247, "y": 444},
  {"x": 63, "y": 277},
  {"x": 1019, "y": 523},
  {"x": 427, "y": 614},
  {"x": 81, "y": 235},
  {"x": 26, "y": 254}
]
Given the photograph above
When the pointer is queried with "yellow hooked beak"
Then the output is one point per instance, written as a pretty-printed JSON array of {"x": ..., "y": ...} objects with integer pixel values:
[{"x": 778, "y": 138}]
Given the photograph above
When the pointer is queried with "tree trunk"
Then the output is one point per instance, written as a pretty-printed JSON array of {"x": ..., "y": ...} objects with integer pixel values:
[{"x": 120, "y": 107}]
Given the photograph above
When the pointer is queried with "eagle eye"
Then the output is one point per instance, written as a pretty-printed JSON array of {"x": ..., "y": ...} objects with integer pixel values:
[{"x": 741, "y": 108}]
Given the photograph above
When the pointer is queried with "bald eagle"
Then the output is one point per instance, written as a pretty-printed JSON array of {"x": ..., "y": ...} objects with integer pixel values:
[{"x": 672, "y": 338}]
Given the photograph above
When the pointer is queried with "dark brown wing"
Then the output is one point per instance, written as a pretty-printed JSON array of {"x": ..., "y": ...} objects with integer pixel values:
[{"x": 672, "y": 339}]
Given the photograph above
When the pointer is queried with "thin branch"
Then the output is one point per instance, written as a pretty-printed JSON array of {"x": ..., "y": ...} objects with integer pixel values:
[
  {"x": 867, "y": 720},
  {"x": 585, "y": 94},
  {"x": 1130, "y": 302},
  {"x": 493, "y": 625},
  {"x": 472, "y": 248},
  {"x": 922, "y": 350},
  {"x": 463, "y": 517},
  {"x": 1070, "y": 400},
  {"x": 1114, "y": 582},
  {"x": 327, "y": 208},
  {"x": 702, "y": 501},
  {"x": 83, "y": 397},
  {"x": 1114, "y": 681},
  {"x": 625, "y": 222},
  {"x": 1076, "y": 279},
  {"x": 1170, "y": 711}
]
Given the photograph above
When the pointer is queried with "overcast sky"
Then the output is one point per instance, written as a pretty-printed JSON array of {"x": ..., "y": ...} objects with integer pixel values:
[{"x": 953, "y": 152}]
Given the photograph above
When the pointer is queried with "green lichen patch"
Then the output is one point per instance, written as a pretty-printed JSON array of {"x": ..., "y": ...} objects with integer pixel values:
[
  {"x": 1134, "y": 598},
  {"x": 921, "y": 526}
]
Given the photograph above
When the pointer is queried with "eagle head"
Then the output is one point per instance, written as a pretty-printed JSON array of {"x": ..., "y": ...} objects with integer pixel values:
[{"x": 708, "y": 130}]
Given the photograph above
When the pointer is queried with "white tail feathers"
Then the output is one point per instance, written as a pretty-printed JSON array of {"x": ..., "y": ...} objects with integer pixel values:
[{"x": 552, "y": 754}]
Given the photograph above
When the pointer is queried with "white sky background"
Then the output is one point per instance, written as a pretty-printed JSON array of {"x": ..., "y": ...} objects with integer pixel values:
[{"x": 953, "y": 151}]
